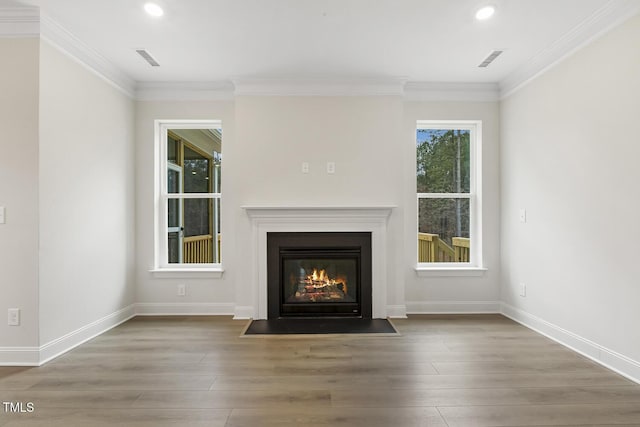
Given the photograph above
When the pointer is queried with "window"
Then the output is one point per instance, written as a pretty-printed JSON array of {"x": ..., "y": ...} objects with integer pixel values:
[
  {"x": 448, "y": 194},
  {"x": 188, "y": 186}
]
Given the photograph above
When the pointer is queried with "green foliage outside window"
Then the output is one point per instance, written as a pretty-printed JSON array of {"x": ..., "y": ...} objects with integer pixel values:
[{"x": 443, "y": 166}]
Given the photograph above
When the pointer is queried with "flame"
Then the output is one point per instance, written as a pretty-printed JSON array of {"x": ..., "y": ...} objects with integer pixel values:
[{"x": 319, "y": 276}]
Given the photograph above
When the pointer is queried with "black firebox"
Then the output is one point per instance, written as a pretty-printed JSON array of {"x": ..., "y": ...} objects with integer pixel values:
[{"x": 319, "y": 274}]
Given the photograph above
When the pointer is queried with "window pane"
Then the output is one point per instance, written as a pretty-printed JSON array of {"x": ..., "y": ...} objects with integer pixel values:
[
  {"x": 197, "y": 217},
  {"x": 443, "y": 160},
  {"x": 217, "y": 168},
  {"x": 173, "y": 181},
  {"x": 443, "y": 230},
  {"x": 216, "y": 229},
  {"x": 173, "y": 212},
  {"x": 197, "y": 174},
  {"x": 200, "y": 242},
  {"x": 172, "y": 149},
  {"x": 174, "y": 248}
]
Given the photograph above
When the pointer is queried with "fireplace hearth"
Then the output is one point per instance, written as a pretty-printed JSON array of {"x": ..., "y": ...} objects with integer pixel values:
[{"x": 319, "y": 274}]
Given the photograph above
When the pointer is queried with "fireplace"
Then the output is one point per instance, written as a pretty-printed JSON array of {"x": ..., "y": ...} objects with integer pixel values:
[{"x": 319, "y": 274}]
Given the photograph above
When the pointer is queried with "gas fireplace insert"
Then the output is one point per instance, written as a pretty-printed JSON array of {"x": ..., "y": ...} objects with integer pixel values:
[{"x": 319, "y": 274}]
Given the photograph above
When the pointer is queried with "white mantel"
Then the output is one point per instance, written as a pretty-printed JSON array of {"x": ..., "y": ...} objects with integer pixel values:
[{"x": 265, "y": 219}]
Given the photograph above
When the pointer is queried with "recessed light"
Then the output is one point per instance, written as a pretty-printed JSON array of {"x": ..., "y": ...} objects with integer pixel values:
[
  {"x": 485, "y": 12},
  {"x": 153, "y": 9}
]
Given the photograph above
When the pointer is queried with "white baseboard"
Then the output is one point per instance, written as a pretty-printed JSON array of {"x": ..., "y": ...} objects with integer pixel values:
[
  {"x": 610, "y": 359},
  {"x": 187, "y": 309},
  {"x": 37, "y": 356},
  {"x": 452, "y": 307},
  {"x": 73, "y": 339},
  {"x": 397, "y": 311},
  {"x": 243, "y": 312},
  {"x": 19, "y": 356}
]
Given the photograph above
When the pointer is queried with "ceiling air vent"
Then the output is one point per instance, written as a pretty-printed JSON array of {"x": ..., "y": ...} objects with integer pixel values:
[
  {"x": 147, "y": 57},
  {"x": 489, "y": 59}
]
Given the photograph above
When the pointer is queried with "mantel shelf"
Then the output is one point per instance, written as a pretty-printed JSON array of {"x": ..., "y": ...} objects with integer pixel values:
[{"x": 316, "y": 211}]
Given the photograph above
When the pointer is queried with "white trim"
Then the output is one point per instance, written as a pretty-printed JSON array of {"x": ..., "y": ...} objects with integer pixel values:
[
  {"x": 443, "y": 91},
  {"x": 73, "y": 47},
  {"x": 608, "y": 358},
  {"x": 206, "y": 272},
  {"x": 81, "y": 335},
  {"x": 184, "y": 91},
  {"x": 243, "y": 312},
  {"x": 186, "y": 309},
  {"x": 446, "y": 270},
  {"x": 192, "y": 195},
  {"x": 19, "y": 22},
  {"x": 604, "y": 19},
  {"x": 397, "y": 311},
  {"x": 295, "y": 86},
  {"x": 453, "y": 307},
  {"x": 19, "y": 356},
  {"x": 265, "y": 219},
  {"x": 276, "y": 212},
  {"x": 444, "y": 195},
  {"x": 37, "y": 356}
]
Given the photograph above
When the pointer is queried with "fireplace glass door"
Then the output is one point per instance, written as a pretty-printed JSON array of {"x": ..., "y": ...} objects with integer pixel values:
[{"x": 319, "y": 282}]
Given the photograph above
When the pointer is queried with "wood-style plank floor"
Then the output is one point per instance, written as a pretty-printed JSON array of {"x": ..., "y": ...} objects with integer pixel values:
[{"x": 480, "y": 370}]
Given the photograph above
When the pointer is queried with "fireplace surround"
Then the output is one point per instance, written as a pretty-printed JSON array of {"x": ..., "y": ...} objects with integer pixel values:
[
  {"x": 267, "y": 219},
  {"x": 319, "y": 274}
]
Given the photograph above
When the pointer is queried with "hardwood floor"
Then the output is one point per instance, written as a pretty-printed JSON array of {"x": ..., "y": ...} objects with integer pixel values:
[{"x": 480, "y": 370}]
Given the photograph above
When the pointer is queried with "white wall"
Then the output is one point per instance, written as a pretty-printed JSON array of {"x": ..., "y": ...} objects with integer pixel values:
[
  {"x": 570, "y": 155},
  {"x": 362, "y": 135},
  {"x": 372, "y": 141},
  {"x": 455, "y": 293},
  {"x": 19, "y": 190},
  {"x": 87, "y": 257}
]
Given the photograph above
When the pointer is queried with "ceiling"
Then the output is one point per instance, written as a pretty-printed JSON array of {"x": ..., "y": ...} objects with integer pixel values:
[{"x": 414, "y": 40}]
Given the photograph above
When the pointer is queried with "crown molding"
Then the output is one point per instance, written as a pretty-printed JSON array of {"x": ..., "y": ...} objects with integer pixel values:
[
  {"x": 69, "y": 44},
  {"x": 427, "y": 91},
  {"x": 319, "y": 87},
  {"x": 184, "y": 91},
  {"x": 19, "y": 22},
  {"x": 412, "y": 91},
  {"x": 612, "y": 14}
]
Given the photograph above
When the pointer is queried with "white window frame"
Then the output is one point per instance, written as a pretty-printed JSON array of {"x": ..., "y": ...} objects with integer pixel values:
[
  {"x": 475, "y": 265},
  {"x": 161, "y": 266}
]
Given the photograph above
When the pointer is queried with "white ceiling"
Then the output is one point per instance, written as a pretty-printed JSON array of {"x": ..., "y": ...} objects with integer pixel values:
[{"x": 416, "y": 40}]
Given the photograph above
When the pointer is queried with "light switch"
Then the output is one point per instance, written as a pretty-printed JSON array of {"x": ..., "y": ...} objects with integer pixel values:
[
  {"x": 2, "y": 215},
  {"x": 523, "y": 215},
  {"x": 305, "y": 167},
  {"x": 13, "y": 317}
]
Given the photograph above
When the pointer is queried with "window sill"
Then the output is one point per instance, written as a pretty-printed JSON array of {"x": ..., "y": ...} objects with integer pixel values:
[
  {"x": 188, "y": 273},
  {"x": 450, "y": 271}
]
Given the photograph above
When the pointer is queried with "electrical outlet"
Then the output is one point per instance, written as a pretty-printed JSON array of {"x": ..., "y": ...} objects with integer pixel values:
[
  {"x": 182, "y": 290},
  {"x": 331, "y": 167},
  {"x": 523, "y": 290},
  {"x": 13, "y": 317}
]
